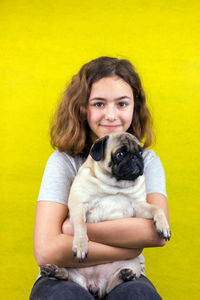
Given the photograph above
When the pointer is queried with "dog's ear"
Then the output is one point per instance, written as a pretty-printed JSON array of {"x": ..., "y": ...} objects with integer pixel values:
[{"x": 98, "y": 149}]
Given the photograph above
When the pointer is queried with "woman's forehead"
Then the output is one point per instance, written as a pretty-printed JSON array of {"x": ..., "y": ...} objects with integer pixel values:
[{"x": 111, "y": 85}]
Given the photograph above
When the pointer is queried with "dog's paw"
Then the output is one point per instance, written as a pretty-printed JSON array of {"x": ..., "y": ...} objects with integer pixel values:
[
  {"x": 165, "y": 235},
  {"x": 162, "y": 227},
  {"x": 127, "y": 275},
  {"x": 80, "y": 248},
  {"x": 49, "y": 270}
]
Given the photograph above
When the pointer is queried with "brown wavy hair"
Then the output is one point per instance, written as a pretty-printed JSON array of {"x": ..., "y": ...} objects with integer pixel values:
[{"x": 70, "y": 131}]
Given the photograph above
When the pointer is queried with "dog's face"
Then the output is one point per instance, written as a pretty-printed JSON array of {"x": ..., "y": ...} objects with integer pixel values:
[{"x": 119, "y": 154}]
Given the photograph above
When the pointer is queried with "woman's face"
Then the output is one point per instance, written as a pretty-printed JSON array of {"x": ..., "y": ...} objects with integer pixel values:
[{"x": 110, "y": 106}]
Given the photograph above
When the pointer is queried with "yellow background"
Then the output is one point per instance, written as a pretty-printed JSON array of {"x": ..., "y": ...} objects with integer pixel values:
[{"x": 42, "y": 44}]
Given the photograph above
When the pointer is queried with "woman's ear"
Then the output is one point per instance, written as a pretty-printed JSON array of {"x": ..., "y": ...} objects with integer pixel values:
[{"x": 98, "y": 148}]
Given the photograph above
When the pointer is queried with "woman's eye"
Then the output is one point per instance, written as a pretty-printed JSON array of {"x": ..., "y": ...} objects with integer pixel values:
[
  {"x": 122, "y": 104},
  {"x": 99, "y": 104}
]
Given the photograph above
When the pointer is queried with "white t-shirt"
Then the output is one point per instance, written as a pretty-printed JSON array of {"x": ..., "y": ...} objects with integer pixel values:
[{"x": 61, "y": 169}]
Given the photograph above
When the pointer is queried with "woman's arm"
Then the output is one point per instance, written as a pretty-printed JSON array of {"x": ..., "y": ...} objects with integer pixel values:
[
  {"x": 51, "y": 246},
  {"x": 127, "y": 232}
]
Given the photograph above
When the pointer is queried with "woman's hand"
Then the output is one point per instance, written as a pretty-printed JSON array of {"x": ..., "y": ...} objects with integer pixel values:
[{"x": 67, "y": 227}]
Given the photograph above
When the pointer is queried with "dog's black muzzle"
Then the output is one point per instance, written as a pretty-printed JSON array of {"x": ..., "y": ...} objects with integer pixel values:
[{"x": 129, "y": 168}]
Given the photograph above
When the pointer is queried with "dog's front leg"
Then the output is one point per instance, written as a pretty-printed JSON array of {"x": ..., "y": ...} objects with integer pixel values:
[
  {"x": 151, "y": 211},
  {"x": 80, "y": 242}
]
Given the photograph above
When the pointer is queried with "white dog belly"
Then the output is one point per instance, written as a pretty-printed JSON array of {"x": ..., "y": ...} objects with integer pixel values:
[{"x": 99, "y": 276}]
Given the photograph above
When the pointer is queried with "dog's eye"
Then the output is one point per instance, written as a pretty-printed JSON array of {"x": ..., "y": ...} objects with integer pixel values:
[{"x": 120, "y": 154}]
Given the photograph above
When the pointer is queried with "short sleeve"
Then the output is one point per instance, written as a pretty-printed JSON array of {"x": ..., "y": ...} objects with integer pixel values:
[
  {"x": 154, "y": 173},
  {"x": 58, "y": 176}
]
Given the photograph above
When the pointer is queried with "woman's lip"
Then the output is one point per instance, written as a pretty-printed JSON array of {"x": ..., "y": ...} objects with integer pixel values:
[{"x": 110, "y": 127}]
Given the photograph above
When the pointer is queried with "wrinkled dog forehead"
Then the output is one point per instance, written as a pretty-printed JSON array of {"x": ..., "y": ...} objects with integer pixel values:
[
  {"x": 104, "y": 147},
  {"x": 119, "y": 140}
]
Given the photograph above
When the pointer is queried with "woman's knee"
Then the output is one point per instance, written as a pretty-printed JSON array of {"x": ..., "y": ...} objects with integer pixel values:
[
  {"x": 52, "y": 289},
  {"x": 134, "y": 290}
]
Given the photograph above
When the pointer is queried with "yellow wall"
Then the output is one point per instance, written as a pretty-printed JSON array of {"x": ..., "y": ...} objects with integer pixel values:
[{"x": 42, "y": 44}]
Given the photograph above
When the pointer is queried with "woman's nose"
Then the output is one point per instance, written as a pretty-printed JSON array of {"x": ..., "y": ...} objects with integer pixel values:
[{"x": 110, "y": 113}]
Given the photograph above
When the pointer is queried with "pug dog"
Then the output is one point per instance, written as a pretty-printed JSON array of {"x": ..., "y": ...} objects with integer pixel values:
[{"x": 109, "y": 185}]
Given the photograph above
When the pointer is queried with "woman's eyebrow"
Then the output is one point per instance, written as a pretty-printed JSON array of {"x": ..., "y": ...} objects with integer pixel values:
[
  {"x": 123, "y": 97},
  {"x": 97, "y": 98},
  {"x": 103, "y": 99}
]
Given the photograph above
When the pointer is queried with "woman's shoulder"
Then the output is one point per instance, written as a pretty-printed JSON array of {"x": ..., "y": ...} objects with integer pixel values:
[
  {"x": 154, "y": 173},
  {"x": 152, "y": 160},
  {"x": 65, "y": 160},
  {"x": 149, "y": 155}
]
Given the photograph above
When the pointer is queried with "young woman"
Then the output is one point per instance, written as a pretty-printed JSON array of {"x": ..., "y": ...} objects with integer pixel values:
[{"x": 105, "y": 96}]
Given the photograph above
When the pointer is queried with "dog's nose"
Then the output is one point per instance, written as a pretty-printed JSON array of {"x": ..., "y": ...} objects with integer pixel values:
[
  {"x": 134, "y": 156},
  {"x": 134, "y": 159}
]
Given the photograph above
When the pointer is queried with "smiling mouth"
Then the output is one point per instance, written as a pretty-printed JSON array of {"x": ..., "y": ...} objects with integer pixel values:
[{"x": 110, "y": 127}]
